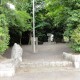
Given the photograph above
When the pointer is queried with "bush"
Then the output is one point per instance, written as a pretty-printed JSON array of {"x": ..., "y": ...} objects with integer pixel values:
[
  {"x": 4, "y": 36},
  {"x": 75, "y": 39}
]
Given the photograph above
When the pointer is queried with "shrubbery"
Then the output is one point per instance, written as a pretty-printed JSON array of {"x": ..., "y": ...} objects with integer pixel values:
[
  {"x": 4, "y": 36},
  {"x": 75, "y": 39}
]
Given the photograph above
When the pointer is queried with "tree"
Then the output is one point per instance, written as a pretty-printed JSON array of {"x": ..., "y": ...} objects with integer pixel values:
[
  {"x": 57, "y": 18},
  {"x": 18, "y": 19},
  {"x": 66, "y": 13}
]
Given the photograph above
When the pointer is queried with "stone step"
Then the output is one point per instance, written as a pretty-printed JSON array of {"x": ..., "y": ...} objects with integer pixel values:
[
  {"x": 36, "y": 64},
  {"x": 46, "y": 66},
  {"x": 45, "y": 69}
]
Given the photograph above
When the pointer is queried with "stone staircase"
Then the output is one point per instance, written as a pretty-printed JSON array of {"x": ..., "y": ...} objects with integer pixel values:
[
  {"x": 48, "y": 58},
  {"x": 46, "y": 66}
]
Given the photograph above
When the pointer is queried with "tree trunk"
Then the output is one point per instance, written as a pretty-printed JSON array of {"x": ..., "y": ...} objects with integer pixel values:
[
  {"x": 20, "y": 37},
  {"x": 30, "y": 38}
]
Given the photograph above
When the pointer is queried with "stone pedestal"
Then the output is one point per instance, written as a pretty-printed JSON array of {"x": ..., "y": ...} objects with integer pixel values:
[
  {"x": 7, "y": 68},
  {"x": 74, "y": 58}
]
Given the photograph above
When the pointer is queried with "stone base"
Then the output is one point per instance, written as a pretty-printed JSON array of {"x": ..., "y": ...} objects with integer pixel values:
[
  {"x": 7, "y": 69},
  {"x": 74, "y": 58},
  {"x": 7, "y": 72}
]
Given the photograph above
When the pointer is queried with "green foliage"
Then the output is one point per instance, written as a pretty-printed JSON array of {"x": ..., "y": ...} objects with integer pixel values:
[
  {"x": 22, "y": 20},
  {"x": 41, "y": 25},
  {"x": 66, "y": 13},
  {"x": 75, "y": 37},
  {"x": 72, "y": 22},
  {"x": 56, "y": 11},
  {"x": 68, "y": 31},
  {"x": 23, "y": 5},
  {"x": 18, "y": 19},
  {"x": 56, "y": 16},
  {"x": 24, "y": 14},
  {"x": 4, "y": 36}
]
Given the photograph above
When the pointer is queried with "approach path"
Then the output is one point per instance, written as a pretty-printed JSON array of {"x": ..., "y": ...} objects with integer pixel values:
[{"x": 48, "y": 53}]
